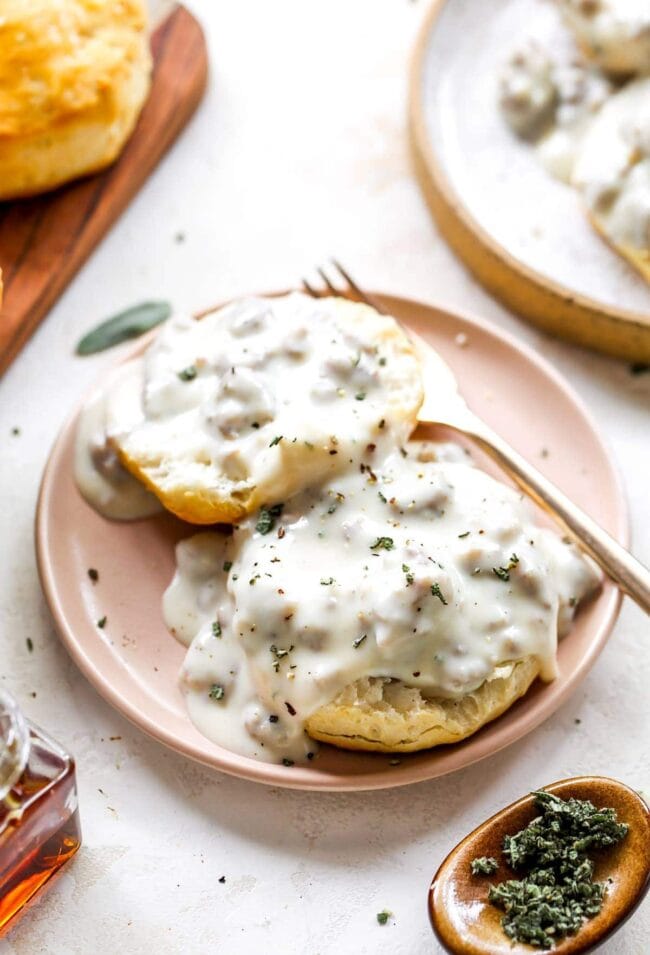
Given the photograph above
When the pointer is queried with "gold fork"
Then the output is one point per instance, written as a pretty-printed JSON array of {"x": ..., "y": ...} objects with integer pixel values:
[{"x": 626, "y": 571}]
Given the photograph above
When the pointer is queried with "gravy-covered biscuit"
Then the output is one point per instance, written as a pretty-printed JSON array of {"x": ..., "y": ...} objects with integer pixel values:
[
  {"x": 255, "y": 401},
  {"x": 392, "y": 608},
  {"x": 612, "y": 172},
  {"x": 613, "y": 34}
]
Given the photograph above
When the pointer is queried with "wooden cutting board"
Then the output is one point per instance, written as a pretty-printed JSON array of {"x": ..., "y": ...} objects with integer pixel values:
[{"x": 44, "y": 241}]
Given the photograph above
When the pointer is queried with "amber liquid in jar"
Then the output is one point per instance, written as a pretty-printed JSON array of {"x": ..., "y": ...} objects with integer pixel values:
[{"x": 39, "y": 821}]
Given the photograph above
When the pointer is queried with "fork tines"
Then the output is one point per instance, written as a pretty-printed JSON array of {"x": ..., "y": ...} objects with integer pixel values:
[{"x": 338, "y": 282}]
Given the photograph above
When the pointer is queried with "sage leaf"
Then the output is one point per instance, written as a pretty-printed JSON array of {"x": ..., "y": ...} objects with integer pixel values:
[
  {"x": 553, "y": 893},
  {"x": 130, "y": 323}
]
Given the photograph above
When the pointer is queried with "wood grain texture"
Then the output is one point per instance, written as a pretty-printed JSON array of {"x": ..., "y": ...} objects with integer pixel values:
[
  {"x": 44, "y": 241},
  {"x": 464, "y": 921}
]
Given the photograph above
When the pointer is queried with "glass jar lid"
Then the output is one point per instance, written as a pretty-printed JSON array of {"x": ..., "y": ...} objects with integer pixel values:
[{"x": 14, "y": 743}]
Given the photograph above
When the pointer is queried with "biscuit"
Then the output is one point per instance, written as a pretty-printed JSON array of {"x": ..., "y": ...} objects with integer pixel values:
[
  {"x": 612, "y": 173},
  {"x": 74, "y": 75},
  {"x": 639, "y": 258},
  {"x": 252, "y": 403},
  {"x": 386, "y": 716}
]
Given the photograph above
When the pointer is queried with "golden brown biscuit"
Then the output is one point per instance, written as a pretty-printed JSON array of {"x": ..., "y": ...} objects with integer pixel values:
[
  {"x": 74, "y": 75},
  {"x": 386, "y": 716}
]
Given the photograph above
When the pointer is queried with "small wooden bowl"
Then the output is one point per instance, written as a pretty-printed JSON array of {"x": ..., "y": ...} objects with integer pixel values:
[{"x": 466, "y": 924}]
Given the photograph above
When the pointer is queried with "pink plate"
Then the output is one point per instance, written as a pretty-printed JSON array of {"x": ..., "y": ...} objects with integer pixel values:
[{"x": 133, "y": 662}]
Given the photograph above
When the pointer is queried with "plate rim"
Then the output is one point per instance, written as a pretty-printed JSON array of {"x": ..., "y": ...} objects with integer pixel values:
[
  {"x": 535, "y": 297},
  {"x": 268, "y": 773}
]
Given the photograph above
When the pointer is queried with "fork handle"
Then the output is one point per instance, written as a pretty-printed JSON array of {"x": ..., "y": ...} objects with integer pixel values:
[{"x": 625, "y": 570}]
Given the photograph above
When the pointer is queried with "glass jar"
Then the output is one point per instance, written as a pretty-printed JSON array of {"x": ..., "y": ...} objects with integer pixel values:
[{"x": 39, "y": 820}]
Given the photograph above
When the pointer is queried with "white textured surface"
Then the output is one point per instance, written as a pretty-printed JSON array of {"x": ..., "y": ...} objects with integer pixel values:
[{"x": 298, "y": 151}]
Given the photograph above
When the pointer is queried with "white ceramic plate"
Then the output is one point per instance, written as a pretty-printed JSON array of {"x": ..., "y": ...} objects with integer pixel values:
[{"x": 497, "y": 178}]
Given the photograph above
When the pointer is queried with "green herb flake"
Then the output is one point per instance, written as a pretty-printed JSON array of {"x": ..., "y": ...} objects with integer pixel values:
[
  {"x": 360, "y": 396},
  {"x": 461, "y": 536},
  {"x": 267, "y": 517},
  {"x": 382, "y": 917},
  {"x": 410, "y": 577},
  {"x": 101, "y": 623},
  {"x": 279, "y": 654},
  {"x": 276, "y": 440},
  {"x": 382, "y": 497},
  {"x": 188, "y": 374},
  {"x": 287, "y": 762},
  {"x": 331, "y": 508},
  {"x": 484, "y": 865},
  {"x": 437, "y": 592},
  {"x": 128, "y": 324},
  {"x": 383, "y": 543},
  {"x": 382, "y": 362},
  {"x": 503, "y": 573},
  {"x": 30, "y": 644},
  {"x": 556, "y": 893},
  {"x": 227, "y": 564},
  {"x": 326, "y": 581},
  {"x": 216, "y": 692},
  {"x": 216, "y": 628}
]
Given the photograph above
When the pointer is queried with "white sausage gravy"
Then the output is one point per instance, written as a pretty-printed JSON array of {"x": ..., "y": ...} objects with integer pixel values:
[
  {"x": 258, "y": 398},
  {"x": 104, "y": 483},
  {"x": 551, "y": 102},
  {"x": 417, "y": 566}
]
